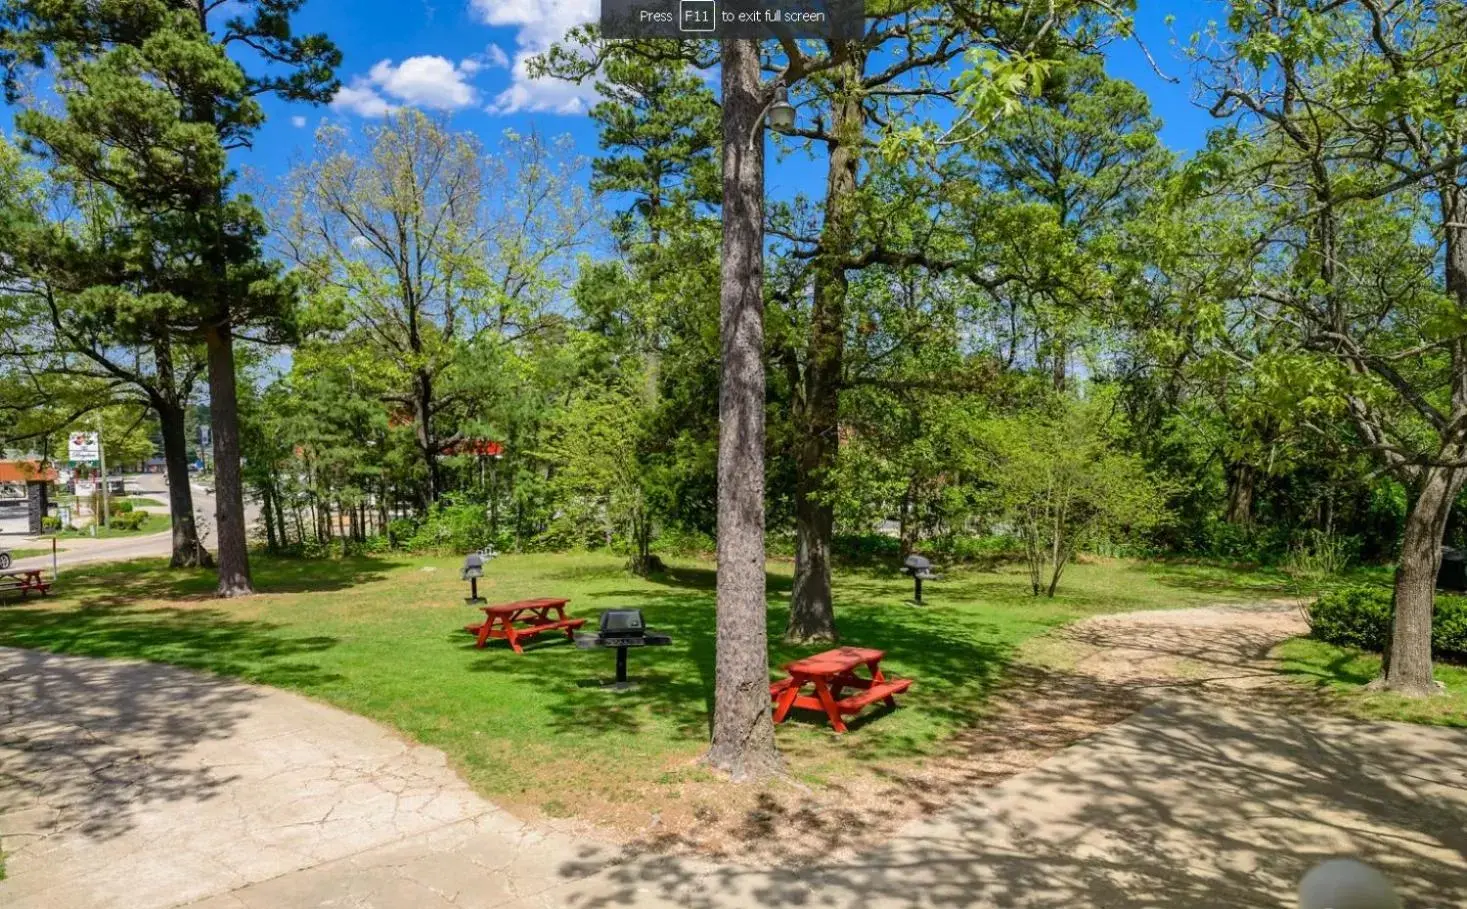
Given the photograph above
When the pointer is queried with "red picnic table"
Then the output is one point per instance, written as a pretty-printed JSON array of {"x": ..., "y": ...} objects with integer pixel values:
[
  {"x": 25, "y": 580},
  {"x": 830, "y": 674},
  {"x": 514, "y": 622}
]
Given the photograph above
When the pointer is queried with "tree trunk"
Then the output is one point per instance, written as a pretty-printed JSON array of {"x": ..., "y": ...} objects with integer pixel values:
[
  {"x": 423, "y": 425},
  {"x": 234, "y": 556},
  {"x": 1060, "y": 362},
  {"x": 188, "y": 551},
  {"x": 1242, "y": 481},
  {"x": 267, "y": 507},
  {"x": 907, "y": 525},
  {"x": 812, "y": 607},
  {"x": 743, "y": 734},
  {"x": 1408, "y": 666}
]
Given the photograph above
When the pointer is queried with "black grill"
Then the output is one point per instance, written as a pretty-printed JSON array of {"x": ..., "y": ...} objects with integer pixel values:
[
  {"x": 921, "y": 570},
  {"x": 622, "y": 629}
]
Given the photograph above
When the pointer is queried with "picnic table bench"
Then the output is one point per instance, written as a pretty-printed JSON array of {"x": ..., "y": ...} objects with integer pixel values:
[
  {"x": 829, "y": 674},
  {"x": 25, "y": 580},
  {"x": 514, "y": 622}
]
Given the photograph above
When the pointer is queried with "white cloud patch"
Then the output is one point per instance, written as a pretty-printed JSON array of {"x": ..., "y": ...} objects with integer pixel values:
[
  {"x": 361, "y": 99},
  {"x": 541, "y": 23},
  {"x": 427, "y": 81},
  {"x": 298, "y": 122},
  {"x": 495, "y": 56}
]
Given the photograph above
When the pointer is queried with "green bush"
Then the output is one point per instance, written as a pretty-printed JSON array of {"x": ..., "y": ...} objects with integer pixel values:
[
  {"x": 50, "y": 524},
  {"x": 452, "y": 528},
  {"x": 1360, "y": 617},
  {"x": 1259, "y": 544},
  {"x": 120, "y": 506},
  {"x": 679, "y": 542},
  {"x": 132, "y": 520},
  {"x": 986, "y": 552},
  {"x": 866, "y": 549}
]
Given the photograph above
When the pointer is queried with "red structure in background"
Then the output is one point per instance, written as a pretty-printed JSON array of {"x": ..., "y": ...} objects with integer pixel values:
[
  {"x": 18, "y": 472},
  {"x": 481, "y": 447},
  {"x": 35, "y": 477}
]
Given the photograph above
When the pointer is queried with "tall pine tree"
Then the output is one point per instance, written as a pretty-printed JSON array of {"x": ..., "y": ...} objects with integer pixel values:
[{"x": 153, "y": 105}]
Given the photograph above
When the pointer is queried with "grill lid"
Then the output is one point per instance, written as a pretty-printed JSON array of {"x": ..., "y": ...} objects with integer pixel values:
[{"x": 622, "y": 622}]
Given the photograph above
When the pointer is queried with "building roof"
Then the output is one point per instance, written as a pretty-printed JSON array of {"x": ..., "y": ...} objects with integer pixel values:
[{"x": 26, "y": 472}]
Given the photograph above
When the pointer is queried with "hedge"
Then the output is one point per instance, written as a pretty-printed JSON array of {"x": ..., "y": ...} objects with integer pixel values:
[{"x": 1360, "y": 617}]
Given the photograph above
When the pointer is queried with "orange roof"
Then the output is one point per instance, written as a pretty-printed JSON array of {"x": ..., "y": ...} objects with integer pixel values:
[{"x": 25, "y": 472}]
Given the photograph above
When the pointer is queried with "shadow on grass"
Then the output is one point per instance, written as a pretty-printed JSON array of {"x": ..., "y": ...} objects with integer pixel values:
[
  {"x": 955, "y": 662},
  {"x": 144, "y": 610},
  {"x": 204, "y": 639}
]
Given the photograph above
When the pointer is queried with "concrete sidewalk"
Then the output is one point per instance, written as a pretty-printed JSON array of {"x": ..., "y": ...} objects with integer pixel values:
[{"x": 146, "y": 787}]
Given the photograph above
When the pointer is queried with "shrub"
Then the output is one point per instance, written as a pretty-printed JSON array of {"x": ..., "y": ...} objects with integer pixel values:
[
  {"x": 866, "y": 549},
  {"x": 1360, "y": 617},
  {"x": 50, "y": 524},
  {"x": 120, "y": 506},
  {"x": 131, "y": 520},
  {"x": 1316, "y": 553},
  {"x": 400, "y": 531},
  {"x": 452, "y": 528},
  {"x": 986, "y": 552},
  {"x": 682, "y": 542},
  {"x": 1357, "y": 616}
]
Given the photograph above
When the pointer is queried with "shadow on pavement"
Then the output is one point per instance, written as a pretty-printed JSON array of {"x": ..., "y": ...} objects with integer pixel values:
[{"x": 1186, "y": 805}]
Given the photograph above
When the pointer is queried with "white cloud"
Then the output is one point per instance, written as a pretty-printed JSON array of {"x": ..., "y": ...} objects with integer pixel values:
[
  {"x": 361, "y": 99},
  {"x": 495, "y": 56},
  {"x": 541, "y": 23},
  {"x": 425, "y": 81},
  {"x": 298, "y": 122}
]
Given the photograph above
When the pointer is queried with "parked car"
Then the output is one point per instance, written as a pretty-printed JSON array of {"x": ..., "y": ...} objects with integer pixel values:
[{"x": 4, "y": 559}]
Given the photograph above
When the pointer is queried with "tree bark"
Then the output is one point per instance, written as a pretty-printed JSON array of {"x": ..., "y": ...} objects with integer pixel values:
[
  {"x": 427, "y": 448},
  {"x": 1408, "y": 666},
  {"x": 233, "y": 542},
  {"x": 743, "y": 733},
  {"x": 188, "y": 551},
  {"x": 817, "y": 411},
  {"x": 1242, "y": 481},
  {"x": 267, "y": 506}
]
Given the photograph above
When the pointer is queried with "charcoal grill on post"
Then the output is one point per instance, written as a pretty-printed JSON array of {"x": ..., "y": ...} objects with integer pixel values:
[
  {"x": 921, "y": 570},
  {"x": 622, "y": 629},
  {"x": 472, "y": 571}
]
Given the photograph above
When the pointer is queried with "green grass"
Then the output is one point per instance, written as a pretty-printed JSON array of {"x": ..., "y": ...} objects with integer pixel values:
[
  {"x": 383, "y": 637},
  {"x": 1344, "y": 672},
  {"x": 18, "y": 554},
  {"x": 146, "y": 503},
  {"x": 151, "y": 524}
]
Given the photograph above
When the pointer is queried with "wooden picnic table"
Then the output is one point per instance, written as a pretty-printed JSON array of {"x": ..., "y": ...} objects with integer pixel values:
[
  {"x": 829, "y": 674},
  {"x": 514, "y": 622},
  {"x": 25, "y": 580}
]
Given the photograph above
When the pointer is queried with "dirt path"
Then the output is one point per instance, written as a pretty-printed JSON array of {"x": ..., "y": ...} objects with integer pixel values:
[{"x": 1066, "y": 686}]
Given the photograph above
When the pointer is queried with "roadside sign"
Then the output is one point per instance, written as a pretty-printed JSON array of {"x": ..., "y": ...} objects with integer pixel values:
[{"x": 83, "y": 446}]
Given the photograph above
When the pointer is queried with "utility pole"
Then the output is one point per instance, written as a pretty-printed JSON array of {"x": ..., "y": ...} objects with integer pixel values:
[{"x": 102, "y": 461}]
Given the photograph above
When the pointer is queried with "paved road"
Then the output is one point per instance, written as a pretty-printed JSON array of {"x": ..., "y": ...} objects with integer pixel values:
[
  {"x": 84, "y": 550},
  {"x": 147, "y": 787}
]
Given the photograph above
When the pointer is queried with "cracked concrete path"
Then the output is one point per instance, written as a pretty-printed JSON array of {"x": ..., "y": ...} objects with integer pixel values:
[
  {"x": 141, "y": 786},
  {"x": 147, "y": 787}
]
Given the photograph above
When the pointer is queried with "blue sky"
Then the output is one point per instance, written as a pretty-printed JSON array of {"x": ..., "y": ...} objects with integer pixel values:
[{"x": 465, "y": 58}]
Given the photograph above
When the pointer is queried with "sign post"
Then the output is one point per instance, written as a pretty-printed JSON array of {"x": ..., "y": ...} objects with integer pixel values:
[{"x": 102, "y": 459}]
